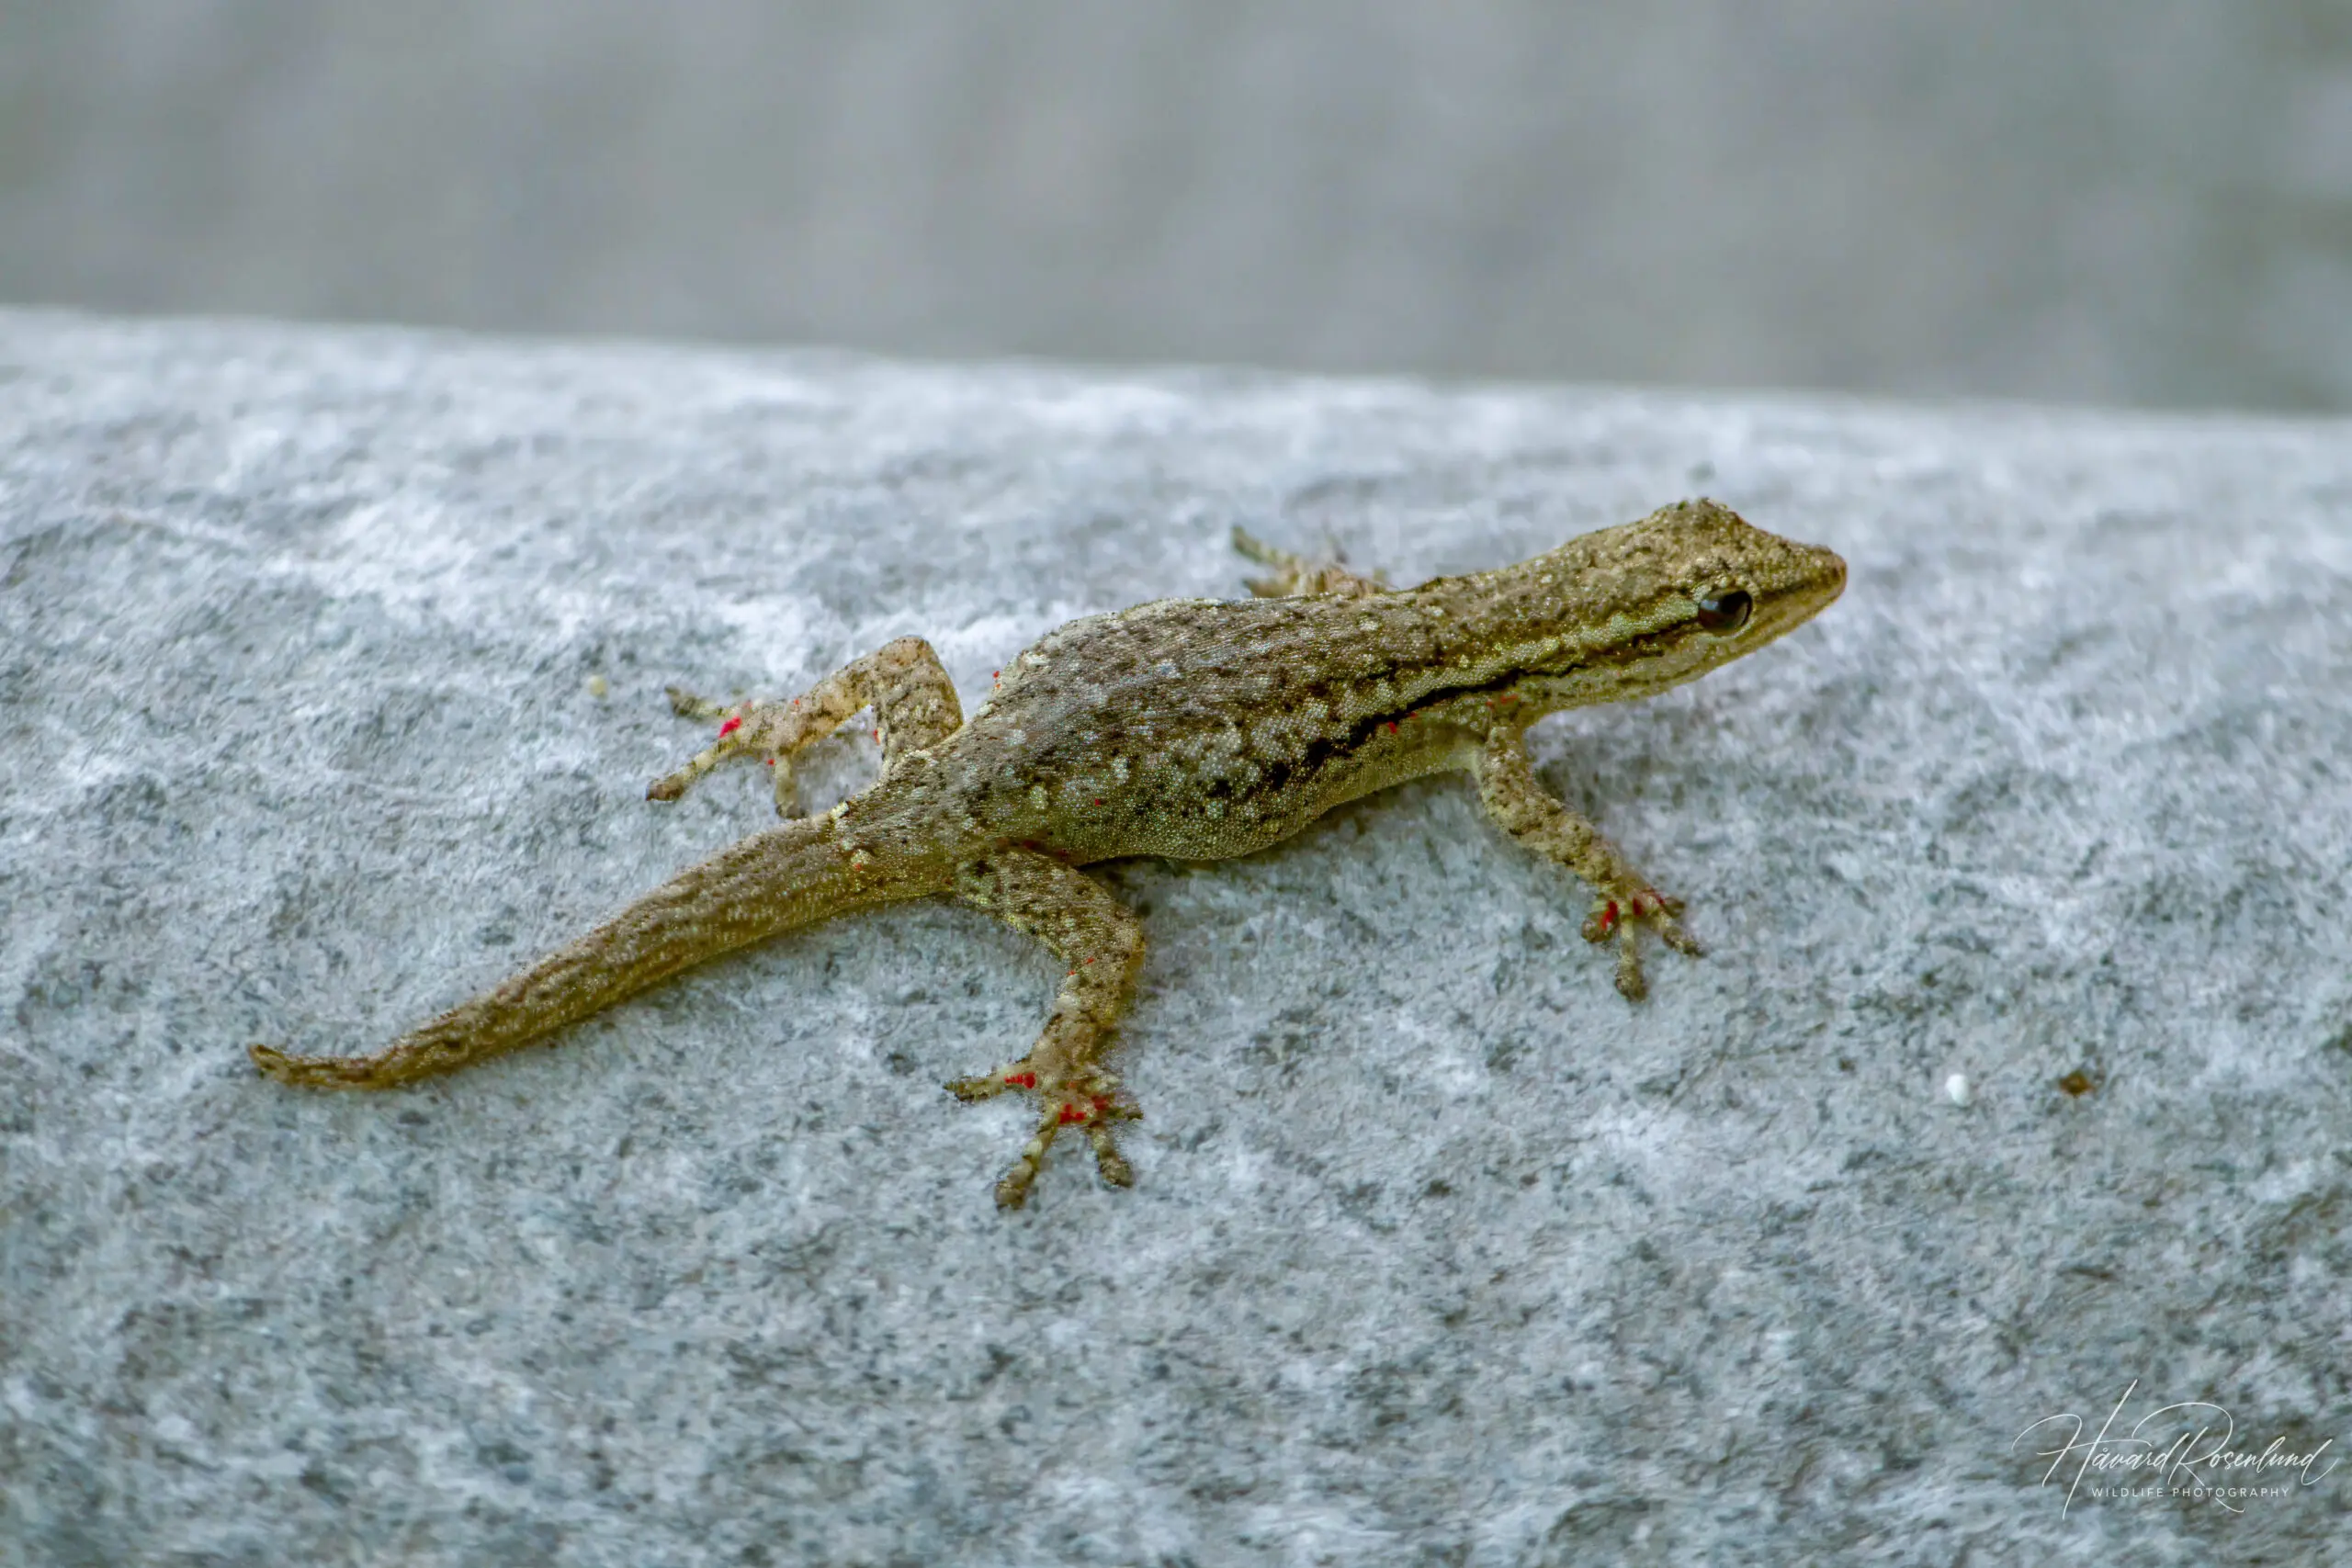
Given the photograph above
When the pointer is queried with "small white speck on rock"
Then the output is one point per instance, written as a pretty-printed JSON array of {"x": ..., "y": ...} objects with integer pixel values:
[{"x": 1956, "y": 1089}]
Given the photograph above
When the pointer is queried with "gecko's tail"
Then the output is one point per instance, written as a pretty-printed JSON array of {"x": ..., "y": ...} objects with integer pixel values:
[{"x": 792, "y": 875}]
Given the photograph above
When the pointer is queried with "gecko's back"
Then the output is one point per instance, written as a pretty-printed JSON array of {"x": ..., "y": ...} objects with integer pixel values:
[{"x": 1195, "y": 728}]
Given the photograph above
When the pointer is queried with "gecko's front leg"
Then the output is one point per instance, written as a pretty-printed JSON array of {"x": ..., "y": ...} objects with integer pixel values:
[
  {"x": 1102, "y": 944},
  {"x": 1623, "y": 900},
  {"x": 1296, "y": 577}
]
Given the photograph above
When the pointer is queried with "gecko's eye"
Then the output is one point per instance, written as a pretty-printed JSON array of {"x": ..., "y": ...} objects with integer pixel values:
[{"x": 1723, "y": 613}]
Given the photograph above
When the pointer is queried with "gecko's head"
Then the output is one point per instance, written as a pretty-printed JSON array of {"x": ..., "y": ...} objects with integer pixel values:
[
  {"x": 1662, "y": 600},
  {"x": 1725, "y": 579}
]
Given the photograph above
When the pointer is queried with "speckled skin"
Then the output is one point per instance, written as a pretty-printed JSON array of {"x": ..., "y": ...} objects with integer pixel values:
[{"x": 1195, "y": 729}]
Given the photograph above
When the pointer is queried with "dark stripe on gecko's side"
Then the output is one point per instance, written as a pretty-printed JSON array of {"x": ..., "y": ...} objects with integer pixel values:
[
  {"x": 1316, "y": 755},
  {"x": 1313, "y": 757}
]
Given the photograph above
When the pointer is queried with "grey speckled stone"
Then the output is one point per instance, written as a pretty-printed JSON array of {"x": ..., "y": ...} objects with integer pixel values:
[{"x": 1438, "y": 1252}]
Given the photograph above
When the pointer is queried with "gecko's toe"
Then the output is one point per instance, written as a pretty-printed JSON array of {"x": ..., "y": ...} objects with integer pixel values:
[
  {"x": 1630, "y": 983},
  {"x": 1112, "y": 1165},
  {"x": 988, "y": 1086},
  {"x": 1012, "y": 1191}
]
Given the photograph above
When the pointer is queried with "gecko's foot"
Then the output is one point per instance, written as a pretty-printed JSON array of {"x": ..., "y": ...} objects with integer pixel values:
[
  {"x": 746, "y": 728},
  {"x": 1090, "y": 1106},
  {"x": 1621, "y": 918}
]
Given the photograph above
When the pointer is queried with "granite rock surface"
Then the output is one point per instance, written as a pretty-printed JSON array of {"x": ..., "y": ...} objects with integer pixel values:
[{"x": 332, "y": 665}]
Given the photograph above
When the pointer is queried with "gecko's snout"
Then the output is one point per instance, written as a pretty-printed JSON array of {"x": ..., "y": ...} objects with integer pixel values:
[
  {"x": 1809, "y": 579},
  {"x": 1829, "y": 573}
]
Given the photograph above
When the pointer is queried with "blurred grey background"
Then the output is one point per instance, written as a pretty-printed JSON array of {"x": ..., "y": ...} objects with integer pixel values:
[{"x": 2135, "y": 201}]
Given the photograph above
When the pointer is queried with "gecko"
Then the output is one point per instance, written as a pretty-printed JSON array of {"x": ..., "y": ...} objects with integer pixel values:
[{"x": 1195, "y": 730}]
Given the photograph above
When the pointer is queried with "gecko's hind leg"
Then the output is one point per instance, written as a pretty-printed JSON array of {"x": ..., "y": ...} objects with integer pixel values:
[
  {"x": 1102, "y": 944},
  {"x": 903, "y": 681},
  {"x": 1296, "y": 575},
  {"x": 1623, "y": 899}
]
